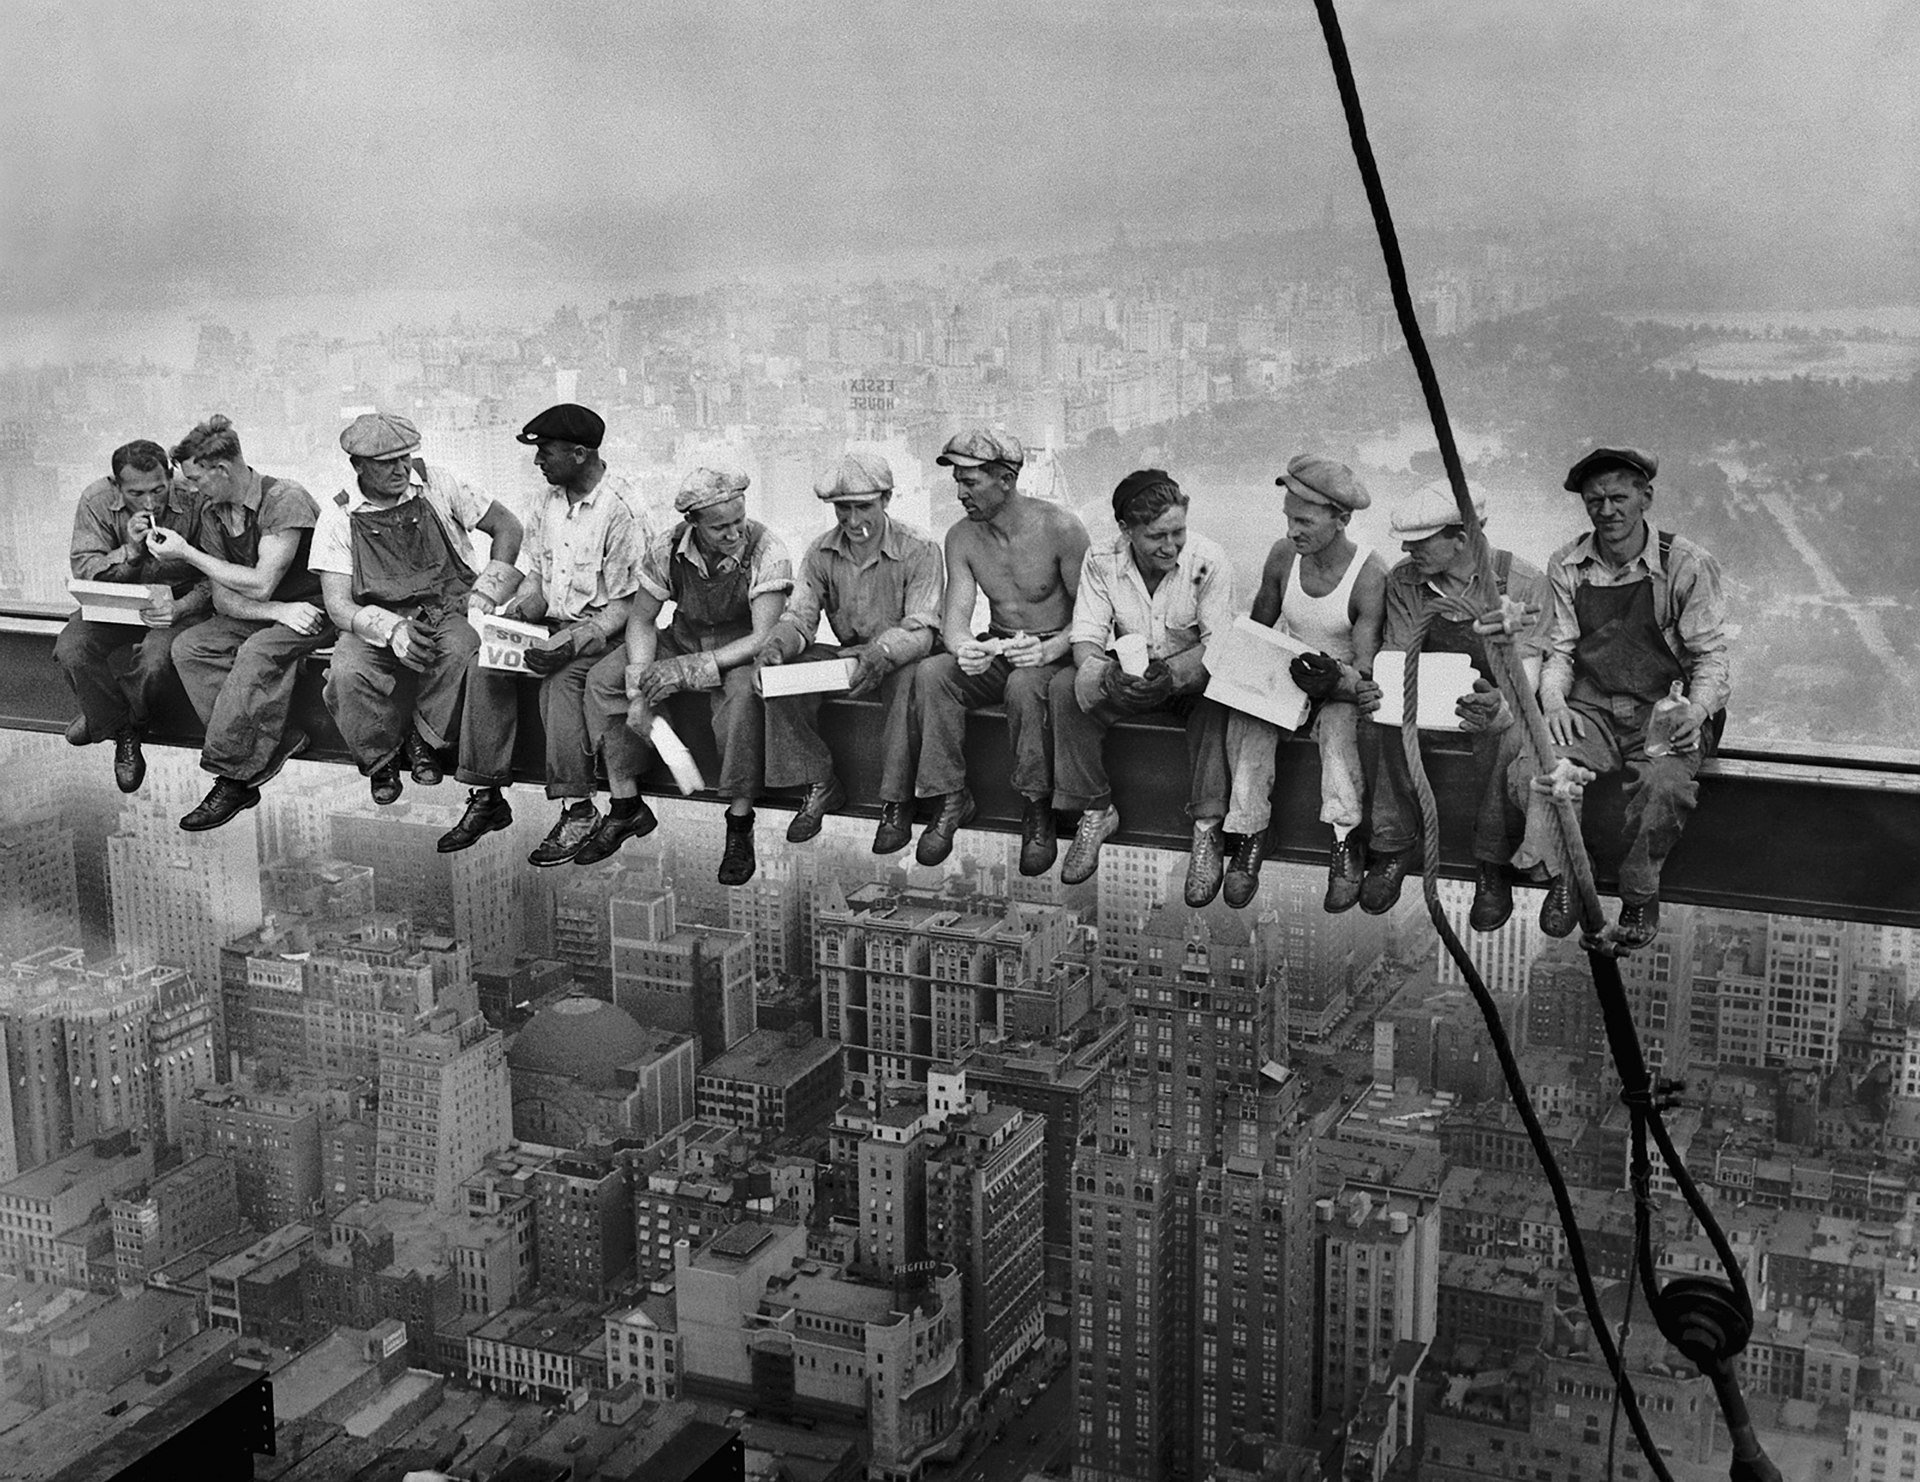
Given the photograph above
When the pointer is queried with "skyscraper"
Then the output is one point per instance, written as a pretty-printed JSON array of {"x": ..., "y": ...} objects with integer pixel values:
[
  {"x": 39, "y": 900},
  {"x": 445, "y": 1107},
  {"x": 473, "y": 894},
  {"x": 697, "y": 979}
]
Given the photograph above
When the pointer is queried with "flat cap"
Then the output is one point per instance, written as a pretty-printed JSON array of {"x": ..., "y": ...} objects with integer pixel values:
[
  {"x": 567, "y": 423},
  {"x": 1323, "y": 481},
  {"x": 972, "y": 446},
  {"x": 705, "y": 486},
  {"x": 857, "y": 476},
  {"x": 1601, "y": 459},
  {"x": 1430, "y": 509},
  {"x": 380, "y": 435}
]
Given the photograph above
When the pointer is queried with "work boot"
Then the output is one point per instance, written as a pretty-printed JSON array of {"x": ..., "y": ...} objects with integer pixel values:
[
  {"x": 1492, "y": 898},
  {"x": 822, "y": 798},
  {"x": 486, "y": 811},
  {"x": 1557, "y": 915},
  {"x": 384, "y": 782},
  {"x": 615, "y": 829},
  {"x": 78, "y": 733},
  {"x": 423, "y": 762},
  {"x": 1243, "y": 870},
  {"x": 1204, "y": 862},
  {"x": 578, "y": 820},
  {"x": 896, "y": 828},
  {"x": 936, "y": 839},
  {"x": 737, "y": 863},
  {"x": 1039, "y": 845},
  {"x": 223, "y": 801},
  {"x": 1380, "y": 890},
  {"x": 129, "y": 766},
  {"x": 1638, "y": 925},
  {"x": 1346, "y": 873},
  {"x": 1097, "y": 825}
]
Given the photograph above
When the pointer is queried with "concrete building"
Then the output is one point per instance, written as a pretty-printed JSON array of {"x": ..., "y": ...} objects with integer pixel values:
[
  {"x": 761, "y": 1325},
  {"x": 546, "y": 1354},
  {"x": 643, "y": 1347},
  {"x": 583, "y": 1215},
  {"x": 256, "y": 1292},
  {"x": 909, "y": 978},
  {"x": 177, "y": 1212},
  {"x": 692, "y": 979},
  {"x": 985, "y": 1219},
  {"x": 176, "y": 896},
  {"x": 273, "y": 1142},
  {"x": 445, "y": 1105},
  {"x": 103, "y": 1343},
  {"x": 41, "y": 1208},
  {"x": 1379, "y": 1284},
  {"x": 778, "y": 1082},
  {"x": 770, "y": 909},
  {"x": 472, "y": 895},
  {"x": 39, "y": 896},
  {"x": 400, "y": 1259},
  {"x": 584, "y": 1071}
]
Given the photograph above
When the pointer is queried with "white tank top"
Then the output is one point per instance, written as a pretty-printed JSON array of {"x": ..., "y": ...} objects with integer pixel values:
[{"x": 1323, "y": 623}]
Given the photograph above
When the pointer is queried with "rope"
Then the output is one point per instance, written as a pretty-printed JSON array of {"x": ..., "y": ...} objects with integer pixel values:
[{"x": 1695, "y": 1315}]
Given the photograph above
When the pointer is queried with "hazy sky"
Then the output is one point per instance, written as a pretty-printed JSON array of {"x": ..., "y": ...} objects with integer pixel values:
[{"x": 160, "y": 151}]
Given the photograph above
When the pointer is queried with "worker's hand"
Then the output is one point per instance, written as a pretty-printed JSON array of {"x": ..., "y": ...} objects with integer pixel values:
[
  {"x": 666, "y": 677},
  {"x": 1318, "y": 676},
  {"x": 1485, "y": 709},
  {"x": 549, "y": 657},
  {"x": 1023, "y": 651},
  {"x": 411, "y": 646},
  {"x": 639, "y": 718},
  {"x": 1095, "y": 681},
  {"x": 1151, "y": 690},
  {"x": 167, "y": 544},
  {"x": 1688, "y": 726},
  {"x": 159, "y": 612},
  {"x": 1564, "y": 725},
  {"x": 871, "y": 665},
  {"x": 138, "y": 524},
  {"x": 1510, "y": 617},
  {"x": 975, "y": 657},
  {"x": 303, "y": 617}
]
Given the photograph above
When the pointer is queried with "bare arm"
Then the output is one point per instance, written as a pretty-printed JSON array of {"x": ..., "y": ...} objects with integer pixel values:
[
  {"x": 1368, "y": 609},
  {"x": 505, "y": 529},
  {"x": 765, "y": 611},
  {"x": 1073, "y": 555},
  {"x": 1273, "y": 584},
  {"x": 256, "y": 582},
  {"x": 336, "y": 591},
  {"x": 956, "y": 622},
  {"x": 643, "y": 638}
]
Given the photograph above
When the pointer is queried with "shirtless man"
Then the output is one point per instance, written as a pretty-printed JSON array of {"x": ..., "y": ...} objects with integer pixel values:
[
  {"x": 1322, "y": 588},
  {"x": 1025, "y": 555}
]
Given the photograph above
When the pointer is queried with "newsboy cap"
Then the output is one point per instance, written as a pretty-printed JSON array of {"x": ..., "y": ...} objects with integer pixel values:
[
  {"x": 567, "y": 423},
  {"x": 972, "y": 446},
  {"x": 705, "y": 486},
  {"x": 1430, "y": 509},
  {"x": 856, "y": 476},
  {"x": 379, "y": 435},
  {"x": 1601, "y": 459},
  {"x": 1322, "y": 481}
]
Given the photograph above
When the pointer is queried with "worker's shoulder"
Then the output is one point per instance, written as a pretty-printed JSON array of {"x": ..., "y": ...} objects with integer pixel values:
[
  {"x": 1057, "y": 521},
  {"x": 98, "y": 495}
]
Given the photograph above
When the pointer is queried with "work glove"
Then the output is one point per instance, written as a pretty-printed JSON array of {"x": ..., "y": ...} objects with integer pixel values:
[
  {"x": 1317, "y": 675},
  {"x": 550, "y": 657},
  {"x": 871, "y": 665},
  {"x": 413, "y": 644},
  {"x": 493, "y": 587},
  {"x": 1151, "y": 690},
  {"x": 664, "y": 677}
]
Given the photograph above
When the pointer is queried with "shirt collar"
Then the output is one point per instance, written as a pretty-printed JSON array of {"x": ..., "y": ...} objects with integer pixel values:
[
  {"x": 250, "y": 491},
  {"x": 892, "y": 544},
  {"x": 357, "y": 496},
  {"x": 690, "y": 548},
  {"x": 1585, "y": 551}
]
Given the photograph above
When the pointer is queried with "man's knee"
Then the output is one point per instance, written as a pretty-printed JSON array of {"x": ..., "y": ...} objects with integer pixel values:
[
  {"x": 1028, "y": 689},
  {"x": 73, "y": 649},
  {"x": 460, "y": 639},
  {"x": 606, "y": 682},
  {"x": 939, "y": 677}
]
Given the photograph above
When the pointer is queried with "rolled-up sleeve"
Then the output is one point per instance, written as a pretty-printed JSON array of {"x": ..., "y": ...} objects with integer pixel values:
[
  {"x": 653, "y": 575},
  {"x": 468, "y": 506},
  {"x": 809, "y": 595},
  {"x": 1700, "y": 617},
  {"x": 912, "y": 637},
  {"x": 772, "y": 569},
  {"x": 1563, "y": 631},
  {"x": 1093, "y": 607},
  {"x": 332, "y": 548}
]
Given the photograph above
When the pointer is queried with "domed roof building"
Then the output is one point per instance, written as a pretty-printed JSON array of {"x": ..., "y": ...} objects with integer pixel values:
[{"x": 585, "y": 1071}]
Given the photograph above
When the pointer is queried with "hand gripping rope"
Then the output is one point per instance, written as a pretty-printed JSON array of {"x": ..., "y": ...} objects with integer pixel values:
[{"x": 1708, "y": 1319}]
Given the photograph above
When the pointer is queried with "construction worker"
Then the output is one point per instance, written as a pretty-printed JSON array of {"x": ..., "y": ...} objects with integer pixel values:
[
  {"x": 1324, "y": 588},
  {"x": 728, "y": 578},
  {"x": 1439, "y": 584},
  {"x": 240, "y": 666},
  {"x": 120, "y": 672},
  {"x": 397, "y": 571},
  {"x": 581, "y": 555},
  {"x": 1636, "y": 611},
  {"x": 1171, "y": 592},
  {"x": 1025, "y": 555},
  {"x": 879, "y": 583}
]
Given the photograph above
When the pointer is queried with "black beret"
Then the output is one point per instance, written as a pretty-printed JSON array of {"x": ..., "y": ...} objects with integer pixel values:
[{"x": 567, "y": 423}]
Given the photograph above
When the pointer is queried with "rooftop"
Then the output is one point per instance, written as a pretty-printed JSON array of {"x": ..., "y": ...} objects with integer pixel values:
[{"x": 771, "y": 1057}]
